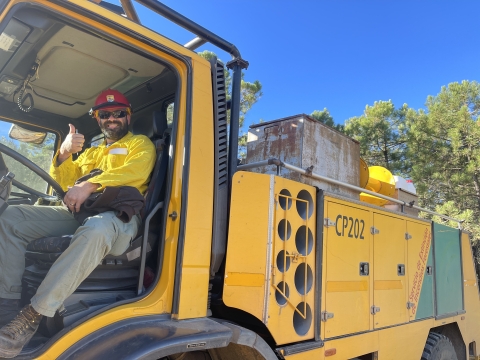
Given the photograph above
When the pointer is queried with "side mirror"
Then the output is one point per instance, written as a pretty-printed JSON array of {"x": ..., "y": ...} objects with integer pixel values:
[{"x": 28, "y": 136}]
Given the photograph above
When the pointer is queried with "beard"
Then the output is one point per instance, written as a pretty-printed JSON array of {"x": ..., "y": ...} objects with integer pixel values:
[{"x": 116, "y": 133}]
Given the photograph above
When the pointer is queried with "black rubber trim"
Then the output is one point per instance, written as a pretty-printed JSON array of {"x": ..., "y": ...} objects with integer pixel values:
[
  {"x": 3, "y": 4},
  {"x": 185, "y": 179},
  {"x": 461, "y": 267},
  {"x": 234, "y": 124},
  {"x": 454, "y": 313},
  {"x": 435, "y": 308},
  {"x": 319, "y": 262},
  {"x": 149, "y": 338},
  {"x": 298, "y": 348}
]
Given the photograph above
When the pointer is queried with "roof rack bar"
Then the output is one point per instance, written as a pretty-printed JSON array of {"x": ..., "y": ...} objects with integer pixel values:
[
  {"x": 130, "y": 10},
  {"x": 236, "y": 65},
  {"x": 191, "y": 26},
  {"x": 277, "y": 162},
  {"x": 195, "y": 43}
]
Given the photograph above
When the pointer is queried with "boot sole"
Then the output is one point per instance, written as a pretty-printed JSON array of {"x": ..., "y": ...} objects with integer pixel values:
[
  {"x": 11, "y": 354},
  {"x": 8, "y": 354}
]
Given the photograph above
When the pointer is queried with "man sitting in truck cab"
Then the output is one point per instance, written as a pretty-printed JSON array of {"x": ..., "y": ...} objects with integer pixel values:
[{"x": 126, "y": 160}]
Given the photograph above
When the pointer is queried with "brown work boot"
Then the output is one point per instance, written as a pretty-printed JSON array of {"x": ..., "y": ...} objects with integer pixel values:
[
  {"x": 18, "y": 332},
  {"x": 8, "y": 310}
]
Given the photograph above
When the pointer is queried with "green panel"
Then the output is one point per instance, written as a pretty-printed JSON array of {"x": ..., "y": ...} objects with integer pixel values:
[
  {"x": 425, "y": 304},
  {"x": 448, "y": 270}
]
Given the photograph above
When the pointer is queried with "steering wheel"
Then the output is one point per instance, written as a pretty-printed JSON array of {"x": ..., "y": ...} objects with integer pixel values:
[{"x": 37, "y": 170}]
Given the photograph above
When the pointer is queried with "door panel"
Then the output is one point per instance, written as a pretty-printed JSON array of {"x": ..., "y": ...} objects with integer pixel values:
[
  {"x": 419, "y": 270},
  {"x": 389, "y": 271},
  {"x": 448, "y": 270},
  {"x": 347, "y": 294}
]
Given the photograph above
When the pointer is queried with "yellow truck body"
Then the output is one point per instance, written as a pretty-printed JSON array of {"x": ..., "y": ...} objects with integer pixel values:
[{"x": 307, "y": 273}]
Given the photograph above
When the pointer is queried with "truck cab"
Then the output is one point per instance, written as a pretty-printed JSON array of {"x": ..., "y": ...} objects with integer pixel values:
[{"x": 56, "y": 58}]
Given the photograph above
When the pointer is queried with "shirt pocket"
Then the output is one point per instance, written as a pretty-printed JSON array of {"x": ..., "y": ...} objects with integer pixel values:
[{"x": 115, "y": 160}]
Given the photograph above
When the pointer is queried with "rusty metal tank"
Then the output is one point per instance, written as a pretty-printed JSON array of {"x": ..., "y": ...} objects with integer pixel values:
[{"x": 302, "y": 141}]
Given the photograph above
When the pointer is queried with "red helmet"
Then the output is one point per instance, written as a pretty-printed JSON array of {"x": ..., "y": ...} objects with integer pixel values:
[{"x": 110, "y": 99}]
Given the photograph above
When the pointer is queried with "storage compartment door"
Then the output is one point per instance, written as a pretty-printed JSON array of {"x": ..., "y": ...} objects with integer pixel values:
[
  {"x": 419, "y": 270},
  {"x": 448, "y": 270},
  {"x": 389, "y": 270},
  {"x": 347, "y": 295}
]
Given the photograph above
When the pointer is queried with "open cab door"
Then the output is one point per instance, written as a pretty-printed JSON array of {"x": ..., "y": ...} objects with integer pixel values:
[{"x": 55, "y": 58}]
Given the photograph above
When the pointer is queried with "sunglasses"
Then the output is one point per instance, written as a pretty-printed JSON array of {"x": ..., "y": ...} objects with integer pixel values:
[{"x": 102, "y": 114}]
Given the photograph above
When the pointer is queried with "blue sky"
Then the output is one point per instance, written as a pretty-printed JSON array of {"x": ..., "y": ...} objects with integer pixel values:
[{"x": 340, "y": 55}]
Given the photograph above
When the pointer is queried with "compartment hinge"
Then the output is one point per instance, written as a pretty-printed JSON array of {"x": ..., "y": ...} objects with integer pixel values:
[
  {"x": 374, "y": 309},
  {"x": 410, "y": 305},
  {"x": 325, "y": 315},
  {"x": 295, "y": 256},
  {"x": 408, "y": 236},
  {"x": 327, "y": 222},
  {"x": 374, "y": 230},
  {"x": 429, "y": 270}
]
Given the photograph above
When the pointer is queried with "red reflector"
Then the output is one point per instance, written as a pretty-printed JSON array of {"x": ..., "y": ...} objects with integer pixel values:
[{"x": 330, "y": 352}]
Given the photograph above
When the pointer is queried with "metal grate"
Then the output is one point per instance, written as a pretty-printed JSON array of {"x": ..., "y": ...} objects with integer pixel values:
[
  {"x": 220, "y": 209},
  {"x": 220, "y": 114}
]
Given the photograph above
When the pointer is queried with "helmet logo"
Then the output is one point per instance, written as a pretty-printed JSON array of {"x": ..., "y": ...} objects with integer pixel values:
[{"x": 110, "y": 98}]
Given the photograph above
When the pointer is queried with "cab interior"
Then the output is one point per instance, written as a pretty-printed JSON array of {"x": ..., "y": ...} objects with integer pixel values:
[{"x": 51, "y": 70}]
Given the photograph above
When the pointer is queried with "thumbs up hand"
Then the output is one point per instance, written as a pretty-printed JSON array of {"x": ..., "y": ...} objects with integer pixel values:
[{"x": 73, "y": 143}]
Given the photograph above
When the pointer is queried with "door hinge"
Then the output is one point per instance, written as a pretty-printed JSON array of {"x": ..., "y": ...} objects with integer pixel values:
[
  {"x": 374, "y": 309},
  {"x": 374, "y": 230},
  {"x": 410, "y": 305},
  {"x": 326, "y": 315},
  {"x": 327, "y": 222},
  {"x": 295, "y": 256},
  {"x": 401, "y": 269},
  {"x": 408, "y": 236}
]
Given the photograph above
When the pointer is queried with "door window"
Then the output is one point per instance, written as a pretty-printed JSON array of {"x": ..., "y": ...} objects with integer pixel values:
[{"x": 40, "y": 154}]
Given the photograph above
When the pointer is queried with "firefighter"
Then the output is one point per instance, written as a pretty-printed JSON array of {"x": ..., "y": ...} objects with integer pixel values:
[{"x": 98, "y": 236}]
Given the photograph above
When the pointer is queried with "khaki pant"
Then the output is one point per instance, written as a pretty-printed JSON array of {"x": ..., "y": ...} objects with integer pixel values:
[{"x": 98, "y": 236}]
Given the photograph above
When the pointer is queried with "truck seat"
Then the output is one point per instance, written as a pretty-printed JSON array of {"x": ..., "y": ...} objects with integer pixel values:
[{"x": 116, "y": 278}]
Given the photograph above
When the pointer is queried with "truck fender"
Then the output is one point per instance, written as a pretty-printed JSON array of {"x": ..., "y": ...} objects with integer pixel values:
[
  {"x": 152, "y": 337},
  {"x": 249, "y": 339}
]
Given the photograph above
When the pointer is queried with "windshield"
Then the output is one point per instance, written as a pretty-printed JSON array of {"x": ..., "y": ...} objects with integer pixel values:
[{"x": 40, "y": 154}]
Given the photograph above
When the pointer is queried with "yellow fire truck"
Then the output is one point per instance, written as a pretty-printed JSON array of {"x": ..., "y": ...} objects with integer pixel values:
[{"x": 303, "y": 252}]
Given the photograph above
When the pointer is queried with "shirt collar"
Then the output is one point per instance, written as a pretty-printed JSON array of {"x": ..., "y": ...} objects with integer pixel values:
[{"x": 119, "y": 142}]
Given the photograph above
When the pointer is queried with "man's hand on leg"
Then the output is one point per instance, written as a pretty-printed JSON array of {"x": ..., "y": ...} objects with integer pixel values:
[{"x": 77, "y": 195}]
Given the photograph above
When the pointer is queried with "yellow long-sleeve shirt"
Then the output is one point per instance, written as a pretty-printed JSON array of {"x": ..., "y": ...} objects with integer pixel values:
[{"x": 127, "y": 162}]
